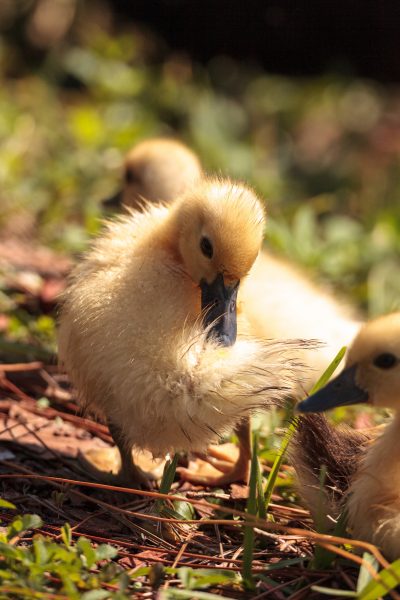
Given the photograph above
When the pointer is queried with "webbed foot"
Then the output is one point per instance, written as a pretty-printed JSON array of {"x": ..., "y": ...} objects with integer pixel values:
[
  {"x": 223, "y": 464},
  {"x": 137, "y": 470}
]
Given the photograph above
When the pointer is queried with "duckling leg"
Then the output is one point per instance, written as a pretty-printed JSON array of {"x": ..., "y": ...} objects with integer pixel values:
[
  {"x": 129, "y": 474},
  {"x": 233, "y": 472}
]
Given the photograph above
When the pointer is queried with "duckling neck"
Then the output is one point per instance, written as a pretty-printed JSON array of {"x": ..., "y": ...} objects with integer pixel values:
[{"x": 383, "y": 455}]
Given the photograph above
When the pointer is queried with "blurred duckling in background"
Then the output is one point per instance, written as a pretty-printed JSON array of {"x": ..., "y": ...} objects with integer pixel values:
[
  {"x": 149, "y": 323},
  {"x": 156, "y": 170},
  {"x": 371, "y": 485}
]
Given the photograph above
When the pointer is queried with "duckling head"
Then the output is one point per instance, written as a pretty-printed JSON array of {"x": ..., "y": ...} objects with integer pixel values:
[
  {"x": 217, "y": 231},
  {"x": 157, "y": 170},
  {"x": 372, "y": 372}
]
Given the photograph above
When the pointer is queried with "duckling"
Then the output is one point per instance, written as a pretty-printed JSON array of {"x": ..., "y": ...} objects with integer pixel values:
[
  {"x": 371, "y": 484},
  {"x": 281, "y": 302},
  {"x": 149, "y": 323},
  {"x": 157, "y": 170}
]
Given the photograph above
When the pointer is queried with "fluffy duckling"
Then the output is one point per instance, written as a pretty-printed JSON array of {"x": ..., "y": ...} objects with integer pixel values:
[
  {"x": 149, "y": 323},
  {"x": 372, "y": 497},
  {"x": 281, "y": 302},
  {"x": 157, "y": 170}
]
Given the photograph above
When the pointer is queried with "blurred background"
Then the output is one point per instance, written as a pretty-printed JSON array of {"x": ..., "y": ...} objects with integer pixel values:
[{"x": 300, "y": 99}]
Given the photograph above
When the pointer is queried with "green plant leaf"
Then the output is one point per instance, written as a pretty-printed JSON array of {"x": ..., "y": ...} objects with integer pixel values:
[
  {"x": 66, "y": 534},
  {"x": 364, "y": 576},
  {"x": 388, "y": 579},
  {"x": 194, "y": 579},
  {"x": 184, "y": 509},
  {"x": 168, "y": 475},
  {"x": 95, "y": 595},
  {"x": 23, "y": 523},
  {"x": 105, "y": 551},
  {"x": 87, "y": 550},
  {"x": 41, "y": 550},
  {"x": 7, "y": 504},
  {"x": 166, "y": 482}
]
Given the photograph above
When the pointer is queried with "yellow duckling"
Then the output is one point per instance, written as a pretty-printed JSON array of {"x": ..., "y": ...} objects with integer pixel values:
[
  {"x": 157, "y": 170},
  {"x": 281, "y": 302},
  {"x": 372, "y": 499},
  {"x": 149, "y": 323}
]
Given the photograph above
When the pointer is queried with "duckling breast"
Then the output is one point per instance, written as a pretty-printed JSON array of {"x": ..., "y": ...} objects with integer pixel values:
[
  {"x": 191, "y": 392},
  {"x": 374, "y": 501}
]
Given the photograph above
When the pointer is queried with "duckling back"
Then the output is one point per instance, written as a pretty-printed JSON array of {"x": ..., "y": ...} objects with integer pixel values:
[{"x": 281, "y": 303}]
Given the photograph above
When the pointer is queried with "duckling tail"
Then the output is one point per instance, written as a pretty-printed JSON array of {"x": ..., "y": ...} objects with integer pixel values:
[{"x": 325, "y": 459}]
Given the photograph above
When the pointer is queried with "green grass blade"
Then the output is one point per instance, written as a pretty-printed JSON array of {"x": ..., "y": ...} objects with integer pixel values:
[
  {"x": 278, "y": 462},
  {"x": 251, "y": 509},
  {"x": 168, "y": 475},
  {"x": 327, "y": 374},
  {"x": 332, "y": 593},
  {"x": 389, "y": 578},
  {"x": 172, "y": 593},
  {"x": 167, "y": 480},
  {"x": 323, "y": 558},
  {"x": 261, "y": 510},
  {"x": 364, "y": 576},
  {"x": 293, "y": 426}
]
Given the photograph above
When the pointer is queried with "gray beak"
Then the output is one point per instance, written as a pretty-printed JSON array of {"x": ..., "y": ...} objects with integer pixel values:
[
  {"x": 341, "y": 391},
  {"x": 219, "y": 303}
]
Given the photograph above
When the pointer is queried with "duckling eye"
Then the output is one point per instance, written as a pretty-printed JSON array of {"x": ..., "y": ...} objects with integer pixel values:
[
  {"x": 130, "y": 176},
  {"x": 206, "y": 247},
  {"x": 385, "y": 360}
]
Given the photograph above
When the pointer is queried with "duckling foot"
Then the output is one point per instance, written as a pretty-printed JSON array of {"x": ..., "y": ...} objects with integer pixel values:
[
  {"x": 136, "y": 469},
  {"x": 221, "y": 466}
]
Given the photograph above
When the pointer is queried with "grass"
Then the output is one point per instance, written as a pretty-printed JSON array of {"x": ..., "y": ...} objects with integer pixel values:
[
  {"x": 63, "y": 569},
  {"x": 321, "y": 152}
]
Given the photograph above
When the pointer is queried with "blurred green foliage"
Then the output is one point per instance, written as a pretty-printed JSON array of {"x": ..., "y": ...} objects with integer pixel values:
[{"x": 324, "y": 153}]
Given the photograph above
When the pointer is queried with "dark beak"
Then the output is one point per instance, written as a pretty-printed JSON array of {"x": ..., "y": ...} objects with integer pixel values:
[
  {"x": 219, "y": 303},
  {"x": 114, "y": 202},
  {"x": 341, "y": 391}
]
